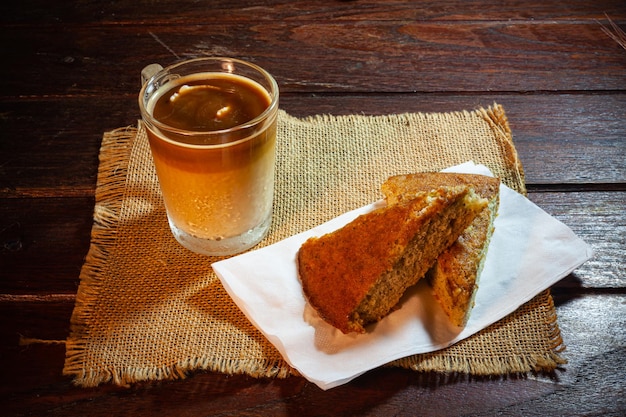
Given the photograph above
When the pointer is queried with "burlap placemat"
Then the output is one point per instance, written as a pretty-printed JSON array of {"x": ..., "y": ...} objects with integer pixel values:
[{"x": 148, "y": 309}]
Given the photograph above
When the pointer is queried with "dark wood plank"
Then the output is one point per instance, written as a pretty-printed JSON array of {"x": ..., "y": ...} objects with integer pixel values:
[
  {"x": 173, "y": 12},
  {"x": 402, "y": 56},
  {"x": 58, "y": 153},
  {"x": 45, "y": 240},
  {"x": 600, "y": 220},
  {"x": 51, "y": 145},
  {"x": 43, "y": 244},
  {"x": 32, "y": 383}
]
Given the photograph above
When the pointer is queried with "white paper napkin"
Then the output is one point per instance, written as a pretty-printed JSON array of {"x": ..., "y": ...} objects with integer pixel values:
[{"x": 529, "y": 252}]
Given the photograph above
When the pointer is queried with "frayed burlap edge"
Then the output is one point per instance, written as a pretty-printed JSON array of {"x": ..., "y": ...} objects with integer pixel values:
[
  {"x": 111, "y": 181},
  {"x": 496, "y": 119},
  {"x": 180, "y": 370}
]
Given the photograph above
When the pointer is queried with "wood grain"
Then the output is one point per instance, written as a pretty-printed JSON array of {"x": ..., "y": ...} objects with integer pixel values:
[
  {"x": 57, "y": 155},
  {"x": 172, "y": 12},
  {"x": 36, "y": 233},
  {"x": 380, "y": 392},
  {"x": 393, "y": 57},
  {"x": 72, "y": 72}
]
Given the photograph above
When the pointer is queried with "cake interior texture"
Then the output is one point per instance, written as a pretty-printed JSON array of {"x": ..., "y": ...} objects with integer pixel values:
[{"x": 455, "y": 275}]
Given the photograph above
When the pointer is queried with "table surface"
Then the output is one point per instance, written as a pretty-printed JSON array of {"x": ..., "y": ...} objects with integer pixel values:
[{"x": 71, "y": 72}]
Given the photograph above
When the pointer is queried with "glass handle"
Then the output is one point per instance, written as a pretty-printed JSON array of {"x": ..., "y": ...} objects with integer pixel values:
[{"x": 148, "y": 71}]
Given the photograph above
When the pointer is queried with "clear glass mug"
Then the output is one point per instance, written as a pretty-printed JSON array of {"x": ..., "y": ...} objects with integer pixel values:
[{"x": 211, "y": 124}]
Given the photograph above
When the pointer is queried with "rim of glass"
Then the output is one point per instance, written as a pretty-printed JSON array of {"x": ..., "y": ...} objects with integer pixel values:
[{"x": 191, "y": 133}]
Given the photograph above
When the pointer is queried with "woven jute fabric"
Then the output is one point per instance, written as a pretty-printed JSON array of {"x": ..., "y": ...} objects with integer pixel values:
[{"x": 148, "y": 309}]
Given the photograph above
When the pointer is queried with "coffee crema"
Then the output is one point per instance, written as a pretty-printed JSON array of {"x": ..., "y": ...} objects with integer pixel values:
[{"x": 209, "y": 102}]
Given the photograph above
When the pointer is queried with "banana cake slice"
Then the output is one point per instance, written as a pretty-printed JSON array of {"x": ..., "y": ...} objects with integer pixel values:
[{"x": 356, "y": 275}]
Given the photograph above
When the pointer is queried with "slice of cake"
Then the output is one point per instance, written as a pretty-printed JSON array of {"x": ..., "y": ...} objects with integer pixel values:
[
  {"x": 455, "y": 276},
  {"x": 356, "y": 275}
]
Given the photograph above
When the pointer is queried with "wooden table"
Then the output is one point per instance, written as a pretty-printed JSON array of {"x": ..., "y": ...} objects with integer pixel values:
[{"x": 71, "y": 72}]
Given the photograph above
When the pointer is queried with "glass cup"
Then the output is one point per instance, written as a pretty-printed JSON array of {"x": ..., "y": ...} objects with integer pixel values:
[{"x": 211, "y": 124}]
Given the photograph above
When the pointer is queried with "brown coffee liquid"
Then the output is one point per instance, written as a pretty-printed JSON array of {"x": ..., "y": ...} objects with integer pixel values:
[{"x": 210, "y": 102}]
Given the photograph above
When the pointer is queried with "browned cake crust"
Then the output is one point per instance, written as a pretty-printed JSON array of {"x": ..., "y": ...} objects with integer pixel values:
[
  {"x": 455, "y": 276},
  {"x": 357, "y": 274},
  {"x": 405, "y": 187}
]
